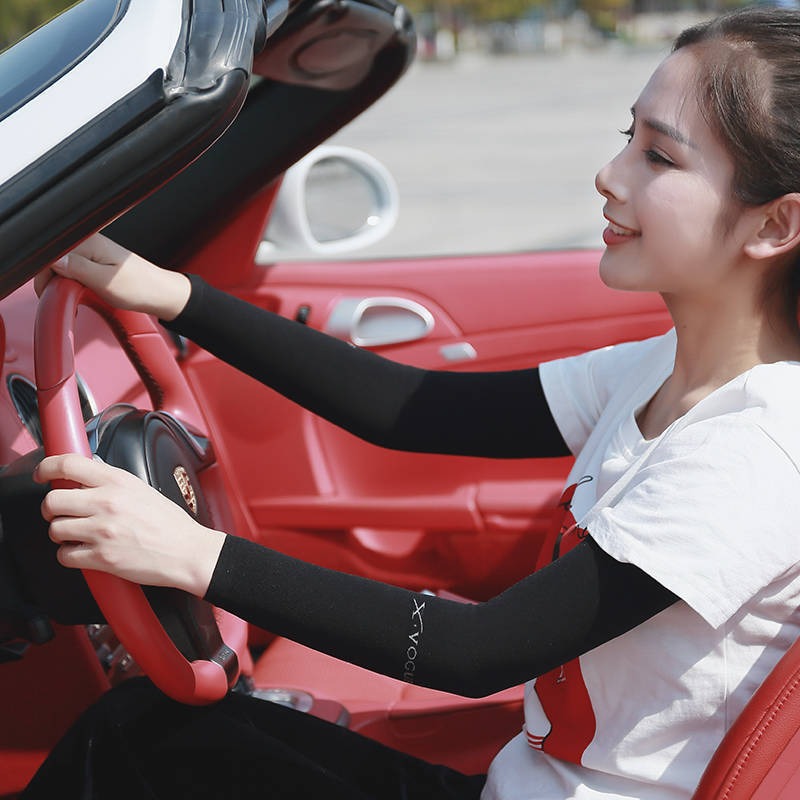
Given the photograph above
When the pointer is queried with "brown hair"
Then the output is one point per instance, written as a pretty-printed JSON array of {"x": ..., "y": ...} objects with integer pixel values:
[
  {"x": 749, "y": 90},
  {"x": 750, "y": 93}
]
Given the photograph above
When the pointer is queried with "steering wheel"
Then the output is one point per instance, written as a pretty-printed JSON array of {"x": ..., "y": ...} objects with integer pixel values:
[{"x": 186, "y": 678}]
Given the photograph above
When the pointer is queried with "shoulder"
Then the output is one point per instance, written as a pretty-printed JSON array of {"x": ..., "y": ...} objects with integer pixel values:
[
  {"x": 756, "y": 414},
  {"x": 625, "y": 356},
  {"x": 579, "y": 388},
  {"x": 621, "y": 367},
  {"x": 772, "y": 400}
]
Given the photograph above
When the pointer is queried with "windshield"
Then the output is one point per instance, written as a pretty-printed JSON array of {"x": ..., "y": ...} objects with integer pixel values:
[{"x": 32, "y": 64}]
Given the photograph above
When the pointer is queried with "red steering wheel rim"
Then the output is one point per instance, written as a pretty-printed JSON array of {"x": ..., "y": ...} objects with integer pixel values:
[{"x": 124, "y": 604}]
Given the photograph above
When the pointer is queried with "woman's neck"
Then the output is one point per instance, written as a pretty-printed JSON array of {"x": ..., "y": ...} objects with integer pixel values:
[{"x": 715, "y": 343}]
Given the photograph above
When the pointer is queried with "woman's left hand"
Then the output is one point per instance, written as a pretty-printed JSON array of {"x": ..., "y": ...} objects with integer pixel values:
[
  {"x": 121, "y": 278},
  {"x": 116, "y": 523}
]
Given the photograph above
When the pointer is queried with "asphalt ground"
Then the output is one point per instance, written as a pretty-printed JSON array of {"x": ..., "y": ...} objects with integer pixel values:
[{"x": 499, "y": 153}]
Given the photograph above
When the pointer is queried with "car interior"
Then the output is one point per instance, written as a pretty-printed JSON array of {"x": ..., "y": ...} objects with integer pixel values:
[{"x": 179, "y": 154}]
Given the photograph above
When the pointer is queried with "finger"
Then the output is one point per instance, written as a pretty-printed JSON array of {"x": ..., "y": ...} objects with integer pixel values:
[
  {"x": 84, "y": 269},
  {"x": 41, "y": 280},
  {"x": 89, "y": 555},
  {"x": 58, "y": 267},
  {"x": 69, "y": 503},
  {"x": 110, "y": 275},
  {"x": 72, "y": 529},
  {"x": 93, "y": 246},
  {"x": 101, "y": 250},
  {"x": 80, "y": 469},
  {"x": 76, "y": 555}
]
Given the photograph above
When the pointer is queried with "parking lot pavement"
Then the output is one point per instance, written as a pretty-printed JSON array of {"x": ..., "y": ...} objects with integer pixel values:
[{"x": 499, "y": 154}]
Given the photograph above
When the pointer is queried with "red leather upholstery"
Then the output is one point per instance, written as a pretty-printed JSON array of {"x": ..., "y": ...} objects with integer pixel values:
[{"x": 759, "y": 758}]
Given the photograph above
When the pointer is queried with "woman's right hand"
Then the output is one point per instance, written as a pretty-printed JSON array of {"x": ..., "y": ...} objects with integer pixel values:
[
  {"x": 116, "y": 523},
  {"x": 121, "y": 278}
]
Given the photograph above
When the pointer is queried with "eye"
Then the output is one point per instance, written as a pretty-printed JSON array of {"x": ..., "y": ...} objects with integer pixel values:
[
  {"x": 652, "y": 156},
  {"x": 657, "y": 159}
]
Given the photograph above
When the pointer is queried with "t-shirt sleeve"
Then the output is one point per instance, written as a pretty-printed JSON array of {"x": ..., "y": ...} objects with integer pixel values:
[
  {"x": 711, "y": 516},
  {"x": 578, "y": 388}
]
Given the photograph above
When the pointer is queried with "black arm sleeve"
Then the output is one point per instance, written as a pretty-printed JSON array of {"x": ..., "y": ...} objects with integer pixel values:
[
  {"x": 578, "y": 602},
  {"x": 496, "y": 414}
]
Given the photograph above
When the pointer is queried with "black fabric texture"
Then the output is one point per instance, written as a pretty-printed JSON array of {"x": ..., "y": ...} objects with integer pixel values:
[
  {"x": 136, "y": 744},
  {"x": 493, "y": 414},
  {"x": 578, "y": 602},
  {"x": 550, "y": 617}
]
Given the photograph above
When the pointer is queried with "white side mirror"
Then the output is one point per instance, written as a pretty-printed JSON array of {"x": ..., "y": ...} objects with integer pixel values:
[{"x": 331, "y": 202}]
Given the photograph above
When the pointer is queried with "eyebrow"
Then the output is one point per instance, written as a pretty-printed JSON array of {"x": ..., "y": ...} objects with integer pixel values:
[{"x": 666, "y": 130}]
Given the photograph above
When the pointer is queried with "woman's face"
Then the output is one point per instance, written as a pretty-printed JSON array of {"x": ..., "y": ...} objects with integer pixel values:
[{"x": 669, "y": 193}]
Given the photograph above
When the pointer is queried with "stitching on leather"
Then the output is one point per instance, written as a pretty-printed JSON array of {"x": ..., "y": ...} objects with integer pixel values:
[
  {"x": 151, "y": 384},
  {"x": 762, "y": 730}
]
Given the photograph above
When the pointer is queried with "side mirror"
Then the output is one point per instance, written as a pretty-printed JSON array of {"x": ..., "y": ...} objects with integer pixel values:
[{"x": 331, "y": 202}]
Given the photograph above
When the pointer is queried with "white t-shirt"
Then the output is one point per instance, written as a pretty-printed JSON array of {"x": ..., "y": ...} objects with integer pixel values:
[{"x": 710, "y": 509}]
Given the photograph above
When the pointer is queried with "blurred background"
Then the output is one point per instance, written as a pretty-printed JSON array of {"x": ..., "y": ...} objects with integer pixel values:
[
  {"x": 495, "y": 134},
  {"x": 499, "y": 26},
  {"x": 19, "y": 17}
]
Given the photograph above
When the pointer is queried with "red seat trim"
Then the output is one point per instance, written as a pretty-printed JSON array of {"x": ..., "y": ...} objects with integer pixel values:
[{"x": 760, "y": 755}]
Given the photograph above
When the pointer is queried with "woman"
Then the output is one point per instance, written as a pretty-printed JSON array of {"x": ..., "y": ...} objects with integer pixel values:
[{"x": 674, "y": 580}]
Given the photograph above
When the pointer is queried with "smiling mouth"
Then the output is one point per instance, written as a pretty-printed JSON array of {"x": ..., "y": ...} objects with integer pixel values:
[
  {"x": 620, "y": 230},
  {"x": 616, "y": 234}
]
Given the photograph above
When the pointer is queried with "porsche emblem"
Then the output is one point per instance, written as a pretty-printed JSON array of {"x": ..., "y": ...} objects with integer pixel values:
[{"x": 185, "y": 485}]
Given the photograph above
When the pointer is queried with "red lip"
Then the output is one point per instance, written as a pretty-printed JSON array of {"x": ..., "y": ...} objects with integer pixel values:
[
  {"x": 612, "y": 235},
  {"x": 610, "y": 238}
]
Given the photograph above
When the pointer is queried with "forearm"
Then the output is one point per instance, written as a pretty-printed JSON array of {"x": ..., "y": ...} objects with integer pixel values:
[
  {"x": 169, "y": 293},
  {"x": 497, "y": 414},
  {"x": 580, "y": 601}
]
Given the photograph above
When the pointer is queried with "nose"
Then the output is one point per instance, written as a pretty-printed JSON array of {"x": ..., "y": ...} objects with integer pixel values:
[{"x": 608, "y": 180}]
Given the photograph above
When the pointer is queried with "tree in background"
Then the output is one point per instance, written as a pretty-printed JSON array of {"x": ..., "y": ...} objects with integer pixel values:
[{"x": 20, "y": 17}]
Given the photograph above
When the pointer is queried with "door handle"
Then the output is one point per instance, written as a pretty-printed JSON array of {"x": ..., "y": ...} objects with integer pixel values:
[{"x": 378, "y": 321}]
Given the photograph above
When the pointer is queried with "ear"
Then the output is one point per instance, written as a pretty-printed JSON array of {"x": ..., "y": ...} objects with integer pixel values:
[{"x": 778, "y": 229}]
